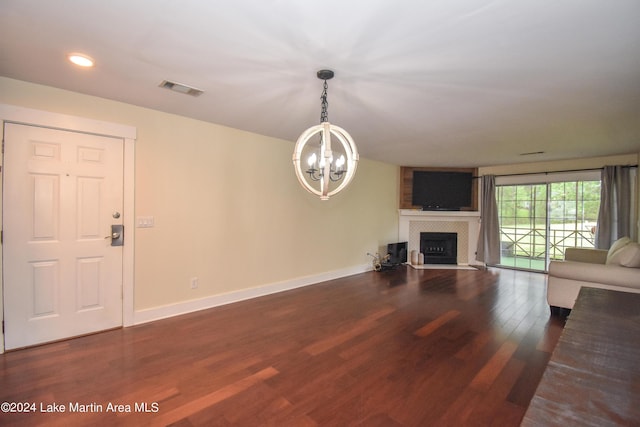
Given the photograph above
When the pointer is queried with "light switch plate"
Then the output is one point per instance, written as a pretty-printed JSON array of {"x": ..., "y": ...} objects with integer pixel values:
[{"x": 145, "y": 222}]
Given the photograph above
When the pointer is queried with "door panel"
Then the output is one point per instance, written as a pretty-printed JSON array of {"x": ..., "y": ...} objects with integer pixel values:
[
  {"x": 44, "y": 292},
  {"x": 62, "y": 277},
  {"x": 89, "y": 283},
  {"x": 46, "y": 194}
]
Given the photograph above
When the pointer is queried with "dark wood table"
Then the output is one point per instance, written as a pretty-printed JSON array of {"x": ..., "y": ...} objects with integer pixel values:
[{"x": 593, "y": 377}]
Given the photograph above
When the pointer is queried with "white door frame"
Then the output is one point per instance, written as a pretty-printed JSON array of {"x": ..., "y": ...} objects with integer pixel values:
[{"x": 27, "y": 116}]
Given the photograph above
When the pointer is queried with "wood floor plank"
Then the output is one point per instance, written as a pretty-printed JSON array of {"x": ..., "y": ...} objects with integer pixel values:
[
  {"x": 214, "y": 397},
  {"x": 399, "y": 348},
  {"x": 437, "y": 323},
  {"x": 487, "y": 375},
  {"x": 358, "y": 328}
]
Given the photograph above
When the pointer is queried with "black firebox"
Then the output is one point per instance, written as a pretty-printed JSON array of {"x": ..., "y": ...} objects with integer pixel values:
[{"x": 439, "y": 248}]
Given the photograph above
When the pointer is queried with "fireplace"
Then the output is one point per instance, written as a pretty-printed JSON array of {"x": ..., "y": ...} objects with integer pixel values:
[
  {"x": 465, "y": 223},
  {"x": 439, "y": 248}
]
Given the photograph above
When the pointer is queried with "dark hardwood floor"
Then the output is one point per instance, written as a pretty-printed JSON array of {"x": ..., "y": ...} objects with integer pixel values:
[{"x": 400, "y": 348}]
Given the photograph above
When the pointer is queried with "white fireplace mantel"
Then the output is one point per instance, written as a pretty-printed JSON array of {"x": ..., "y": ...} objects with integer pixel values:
[{"x": 465, "y": 223}]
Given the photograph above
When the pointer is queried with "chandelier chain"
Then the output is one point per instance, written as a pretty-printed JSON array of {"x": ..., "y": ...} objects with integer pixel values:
[{"x": 324, "y": 115}]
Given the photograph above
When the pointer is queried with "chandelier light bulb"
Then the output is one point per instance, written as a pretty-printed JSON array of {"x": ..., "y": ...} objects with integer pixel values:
[{"x": 312, "y": 159}]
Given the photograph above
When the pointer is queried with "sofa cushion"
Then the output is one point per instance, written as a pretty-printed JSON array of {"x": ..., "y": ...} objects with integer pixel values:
[
  {"x": 613, "y": 257},
  {"x": 630, "y": 255}
]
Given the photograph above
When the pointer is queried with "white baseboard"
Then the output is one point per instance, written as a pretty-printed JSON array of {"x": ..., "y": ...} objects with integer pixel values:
[{"x": 184, "y": 307}]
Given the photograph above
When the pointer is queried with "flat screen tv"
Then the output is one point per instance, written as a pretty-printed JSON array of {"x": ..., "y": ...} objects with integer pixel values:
[{"x": 441, "y": 190}]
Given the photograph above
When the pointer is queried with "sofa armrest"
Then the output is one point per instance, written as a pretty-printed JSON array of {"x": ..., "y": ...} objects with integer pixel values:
[
  {"x": 586, "y": 272},
  {"x": 592, "y": 256}
]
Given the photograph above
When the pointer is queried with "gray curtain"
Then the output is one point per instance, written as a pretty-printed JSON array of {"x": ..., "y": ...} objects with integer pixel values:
[
  {"x": 488, "y": 250},
  {"x": 615, "y": 218}
]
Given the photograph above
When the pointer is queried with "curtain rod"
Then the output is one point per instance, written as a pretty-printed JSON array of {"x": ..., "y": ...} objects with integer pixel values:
[{"x": 561, "y": 171}]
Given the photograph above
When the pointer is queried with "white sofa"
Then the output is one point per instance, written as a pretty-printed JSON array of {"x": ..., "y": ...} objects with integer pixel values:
[{"x": 617, "y": 269}]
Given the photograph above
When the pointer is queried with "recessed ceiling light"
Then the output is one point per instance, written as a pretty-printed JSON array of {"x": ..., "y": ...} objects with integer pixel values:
[{"x": 81, "y": 60}]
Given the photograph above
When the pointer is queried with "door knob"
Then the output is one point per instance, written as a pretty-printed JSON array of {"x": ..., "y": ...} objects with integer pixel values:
[{"x": 117, "y": 235}]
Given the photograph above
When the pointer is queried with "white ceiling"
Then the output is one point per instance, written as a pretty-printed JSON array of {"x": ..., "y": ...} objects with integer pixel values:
[{"x": 418, "y": 83}]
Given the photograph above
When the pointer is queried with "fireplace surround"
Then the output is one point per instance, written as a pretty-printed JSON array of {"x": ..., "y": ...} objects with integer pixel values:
[{"x": 465, "y": 223}]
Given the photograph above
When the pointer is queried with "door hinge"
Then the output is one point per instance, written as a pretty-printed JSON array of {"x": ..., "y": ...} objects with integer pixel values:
[{"x": 3, "y": 327}]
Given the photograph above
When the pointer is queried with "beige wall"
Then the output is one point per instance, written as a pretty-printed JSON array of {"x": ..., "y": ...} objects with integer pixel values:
[{"x": 227, "y": 206}]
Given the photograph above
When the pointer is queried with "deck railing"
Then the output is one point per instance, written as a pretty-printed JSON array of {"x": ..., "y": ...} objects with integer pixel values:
[{"x": 532, "y": 242}]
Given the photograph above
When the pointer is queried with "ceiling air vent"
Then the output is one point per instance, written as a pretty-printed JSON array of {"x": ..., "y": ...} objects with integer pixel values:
[{"x": 179, "y": 87}]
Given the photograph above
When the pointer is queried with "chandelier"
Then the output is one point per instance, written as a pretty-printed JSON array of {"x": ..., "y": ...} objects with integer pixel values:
[{"x": 328, "y": 169}]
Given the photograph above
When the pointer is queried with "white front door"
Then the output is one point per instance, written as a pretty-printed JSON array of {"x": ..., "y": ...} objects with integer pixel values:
[{"x": 62, "y": 193}]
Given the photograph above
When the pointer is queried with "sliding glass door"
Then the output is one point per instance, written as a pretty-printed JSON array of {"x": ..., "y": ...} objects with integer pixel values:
[
  {"x": 539, "y": 220},
  {"x": 523, "y": 225}
]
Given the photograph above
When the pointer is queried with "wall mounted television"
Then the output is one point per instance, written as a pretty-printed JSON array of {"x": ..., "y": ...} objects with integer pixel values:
[{"x": 443, "y": 190}]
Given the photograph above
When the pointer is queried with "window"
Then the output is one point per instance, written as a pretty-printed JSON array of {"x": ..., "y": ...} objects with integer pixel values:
[{"x": 539, "y": 220}]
